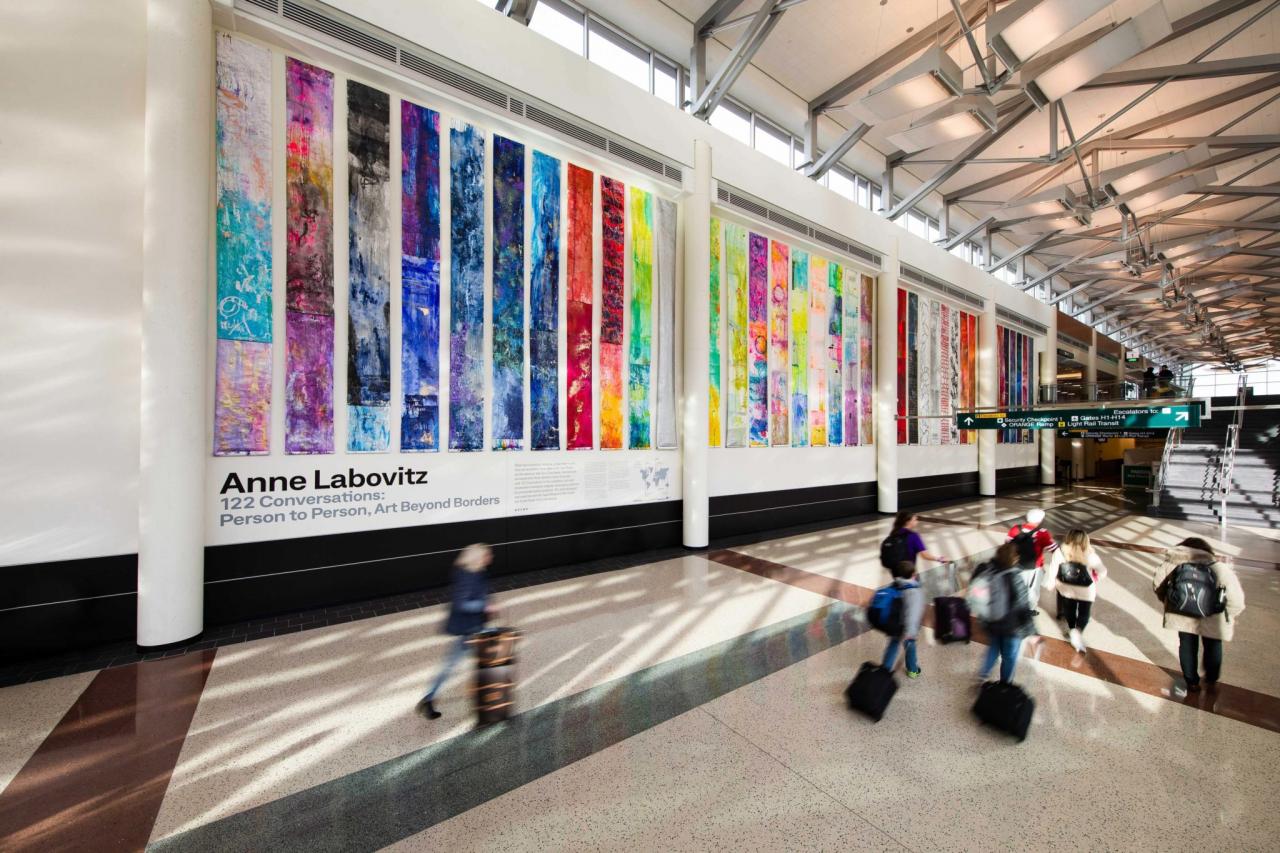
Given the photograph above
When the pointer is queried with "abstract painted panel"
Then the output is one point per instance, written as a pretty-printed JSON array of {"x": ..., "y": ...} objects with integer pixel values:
[
  {"x": 641, "y": 341},
  {"x": 852, "y": 303},
  {"x": 242, "y": 397},
  {"x": 945, "y": 313},
  {"x": 544, "y": 304},
  {"x": 913, "y": 361},
  {"x": 466, "y": 288},
  {"x": 309, "y": 258},
  {"x": 835, "y": 385},
  {"x": 713, "y": 295},
  {"x": 665, "y": 248},
  {"x": 926, "y": 371},
  {"x": 578, "y": 320},
  {"x": 758, "y": 341},
  {"x": 612, "y": 305},
  {"x": 735, "y": 239},
  {"x": 779, "y": 354},
  {"x": 903, "y": 433},
  {"x": 242, "y": 402},
  {"x": 508, "y": 294},
  {"x": 420, "y": 277},
  {"x": 308, "y": 393},
  {"x": 819, "y": 298},
  {"x": 866, "y": 362},
  {"x": 369, "y": 277},
  {"x": 799, "y": 348}
]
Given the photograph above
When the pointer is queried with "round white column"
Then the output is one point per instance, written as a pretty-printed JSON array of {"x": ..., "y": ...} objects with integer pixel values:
[
  {"x": 1048, "y": 438},
  {"x": 695, "y": 488},
  {"x": 886, "y": 398},
  {"x": 178, "y": 133},
  {"x": 988, "y": 397}
]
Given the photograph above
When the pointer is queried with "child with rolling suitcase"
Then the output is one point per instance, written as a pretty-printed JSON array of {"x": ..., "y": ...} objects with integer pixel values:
[{"x": 897, "y": 610}]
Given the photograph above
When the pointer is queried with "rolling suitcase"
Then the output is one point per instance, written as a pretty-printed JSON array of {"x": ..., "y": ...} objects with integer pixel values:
[
  {"x": 494, "y": 691},
  {"x": 951, "y": 620},
  {"x": 871, "y": 691},
  {"x": 1006, "y": 707}
]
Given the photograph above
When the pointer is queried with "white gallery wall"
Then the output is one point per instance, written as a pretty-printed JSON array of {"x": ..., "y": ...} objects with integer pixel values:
[{"x": 72, "y": 75}]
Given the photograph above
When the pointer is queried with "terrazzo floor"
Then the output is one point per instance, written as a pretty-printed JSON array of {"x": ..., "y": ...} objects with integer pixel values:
[{"x": 695, "y": 703}]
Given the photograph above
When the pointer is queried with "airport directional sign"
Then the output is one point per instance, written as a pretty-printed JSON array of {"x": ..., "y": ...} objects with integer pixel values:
[
  {"x": 1129, "y": 417},
  {"x": 1103, "y": 434}
]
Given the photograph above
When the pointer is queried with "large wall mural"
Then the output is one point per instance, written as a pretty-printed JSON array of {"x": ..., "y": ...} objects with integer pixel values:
[
  {"x": 798, "y": 328},
  {"x": 937, "y": 363},
  {"x": 1015, "y": 356}
]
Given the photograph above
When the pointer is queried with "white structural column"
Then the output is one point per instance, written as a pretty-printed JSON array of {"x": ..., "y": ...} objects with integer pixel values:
[
  {"x": 886, "y": 399},
  {"x": 988, "y": 397},
  {"x": 1091, "y": 383},
  {"x": 695, "y": 487},
  {"x": 178, "y": 137},
  {"x": 1048, "y": 438}
]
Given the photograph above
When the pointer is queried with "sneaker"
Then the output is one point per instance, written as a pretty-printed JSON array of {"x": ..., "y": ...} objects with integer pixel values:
[
  {"x": 915, "y": 674},
  {"x": 1193, "y": 688},
  {"x": 427, "y": 708},
  {"x": 1077, "y": 641}
]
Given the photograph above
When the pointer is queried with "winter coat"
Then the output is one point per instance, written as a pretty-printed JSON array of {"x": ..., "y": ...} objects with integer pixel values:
[
  {"x": 1220, "y": 626},
  {"x": 470, "y": 594},
  {"x": 1078, "y": 593},
  {"x": 1020, "y": 620}
]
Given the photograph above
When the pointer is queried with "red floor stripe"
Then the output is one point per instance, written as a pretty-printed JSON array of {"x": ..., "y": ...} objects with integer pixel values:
[{"x": 97, "y": 781}]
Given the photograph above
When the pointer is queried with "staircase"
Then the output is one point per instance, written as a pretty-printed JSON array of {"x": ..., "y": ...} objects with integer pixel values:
[{"x": 1190, "y": 487}]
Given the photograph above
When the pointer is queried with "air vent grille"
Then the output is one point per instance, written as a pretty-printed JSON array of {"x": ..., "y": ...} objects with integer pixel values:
[
  {"x": 338, "y": 30},
  {"x": 516, "y": 106},
  {"x": 636, "y": 158},
  {"x": 1030, "y": 325},
  {"x": 923, "y": 279},
  {"x": 742, "y": 201},
  {"x": 673, "y": 173},
  {"x": 272, "y": 6},
  {"x": 1070, "y": 341},
  {"x": 453, "y": 78},
  {"x": 568, "y": 128}
]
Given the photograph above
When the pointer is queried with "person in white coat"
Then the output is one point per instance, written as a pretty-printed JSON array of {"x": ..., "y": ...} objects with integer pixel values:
[
  {"x": 1077, "y": 571},
  {"x": 1211, "y": 631}
]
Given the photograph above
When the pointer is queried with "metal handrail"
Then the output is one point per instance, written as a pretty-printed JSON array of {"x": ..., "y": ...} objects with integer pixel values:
[
  {"x": 1123, "y": 390},
  {"x": 1229, "y": 451},
  {"x": 1171, "y": 440}
]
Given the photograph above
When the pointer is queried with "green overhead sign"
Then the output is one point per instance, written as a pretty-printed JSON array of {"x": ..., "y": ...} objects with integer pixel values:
[
  {"x": 1103, "y": 434},
  {"x": 1137, "y": 417}
]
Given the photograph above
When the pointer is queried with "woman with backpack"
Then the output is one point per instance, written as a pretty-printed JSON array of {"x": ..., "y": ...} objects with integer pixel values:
[
  {"x": 1202, "y": 598},
  {"x": 999, "y": 598},
  {"x": 904, "y": 544},
  {"x": 1077, "y": 570}
]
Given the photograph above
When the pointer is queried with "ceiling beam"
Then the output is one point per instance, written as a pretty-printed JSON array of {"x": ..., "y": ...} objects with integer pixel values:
[
  {"x": 739, "y": 58},
  {"x": 1269, "y": 190},
  {"x": 1018, "y": 253},
  {"x": 715, "y": 16},
  {"x": 1272, "y": 224},
  {"x": 831, "y": 156},
  {"x": 1268, "y": 63}
]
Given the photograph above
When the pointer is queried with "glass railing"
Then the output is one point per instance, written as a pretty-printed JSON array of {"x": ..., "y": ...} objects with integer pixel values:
[{"x": 1105, "y": 392}]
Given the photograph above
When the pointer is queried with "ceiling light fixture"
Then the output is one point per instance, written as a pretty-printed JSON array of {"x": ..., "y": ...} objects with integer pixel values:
[
  {"x": 1153, "y": 196},
  {"x": 929, "y": 79},
  {"x": 1025, "y": 27},
  {"x": 1098, "y": 57},
  {"x": 1127, "y": 179},
  {"x": 960, "y": 119},
  {"x": 1172, "y": 250}
]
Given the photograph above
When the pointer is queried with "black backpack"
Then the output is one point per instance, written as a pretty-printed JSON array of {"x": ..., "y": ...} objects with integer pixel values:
[
  {"x": 893, "y": 550},
  {"x": 1025, "y": 542},
  {"x": 1074, "y": 574},
  {"x": 1193, "y": 590}
]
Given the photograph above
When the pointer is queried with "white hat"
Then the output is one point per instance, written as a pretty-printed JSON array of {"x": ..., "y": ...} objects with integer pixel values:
[{"x": 1035, "y": 516}]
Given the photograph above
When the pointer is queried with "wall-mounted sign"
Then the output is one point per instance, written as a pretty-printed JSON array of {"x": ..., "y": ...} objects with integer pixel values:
[
  {"x": 1066, "y": 353},
  {"x": 1104, "y": 434},
  {"x": 1149, "y": 417}
]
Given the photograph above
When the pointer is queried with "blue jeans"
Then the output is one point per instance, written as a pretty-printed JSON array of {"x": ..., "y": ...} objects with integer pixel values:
[
  {"x": 456, "y": 651},
  {"x": 891, "y": 654},
  {"x": 1006, "y": 648}
]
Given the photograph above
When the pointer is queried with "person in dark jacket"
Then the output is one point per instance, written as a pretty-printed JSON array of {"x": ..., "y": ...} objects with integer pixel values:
[
  {"x": 468, "y": 613},
  {"x": 1149, "y": 382},
  {"x": 1005, "y": 638}
]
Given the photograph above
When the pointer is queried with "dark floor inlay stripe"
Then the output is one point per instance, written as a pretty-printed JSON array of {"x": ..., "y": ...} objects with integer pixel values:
[
  {"x": 395, "y": 799},
  {"x": 97, "y": 781}
]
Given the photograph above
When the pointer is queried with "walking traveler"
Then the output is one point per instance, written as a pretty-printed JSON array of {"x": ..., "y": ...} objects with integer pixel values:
[
  {"x": 468, "y": 614},
  {"x": 1202, "y": 599},
  {"x": 1032, "y": 542},
  {"x": 904, "y": 630},
  {"x": 904, "y": 544},
  {"x": 1077, "y": 571},
  {"x": 998, "y": 597}
]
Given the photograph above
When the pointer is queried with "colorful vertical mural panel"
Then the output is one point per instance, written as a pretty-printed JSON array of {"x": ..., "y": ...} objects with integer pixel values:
[
  {"x": 779, "y": 333},
  {"x": 934, "y": 369},
  {"x": 799, "y": 348},
  {"x": 579, "y": 325},
  {"x": 866, "y": 362},
  {"x": 819, "y": 298},
  {"x": 466, "y": 288},
  {"x": 945, "y": 393},
  {"x": 758, "y": 341},
  {"x": 852, "y": 302},
  {"x": 665, "y": 248},
  {"x": 242, "y": 370},
  {"x": 835, "y": 384},
  {"x": 640, "y": 356},
  {"x": 903, "y": 432},
  {"x": 308, "y": 258},
  {"x": 369, "y": 274},
  {"x": 420, "y": 277},
  {"x": 735, "y": 239},
  {"x": 612, "y": 305},
  {"x": 508, "y": 294},
  {"x": 713, "y": 295},
  {"x": 1016, "y": 379},
  {"x": 913, "y": 368},
  {"x": 544, "y": 304}
]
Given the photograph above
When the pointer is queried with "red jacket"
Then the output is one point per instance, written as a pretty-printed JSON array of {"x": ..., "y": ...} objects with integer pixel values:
[{"x": 1042, "y": 539}]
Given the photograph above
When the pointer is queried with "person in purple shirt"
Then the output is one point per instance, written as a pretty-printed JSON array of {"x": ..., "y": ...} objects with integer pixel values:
[{"x": 908, "y": 521}]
